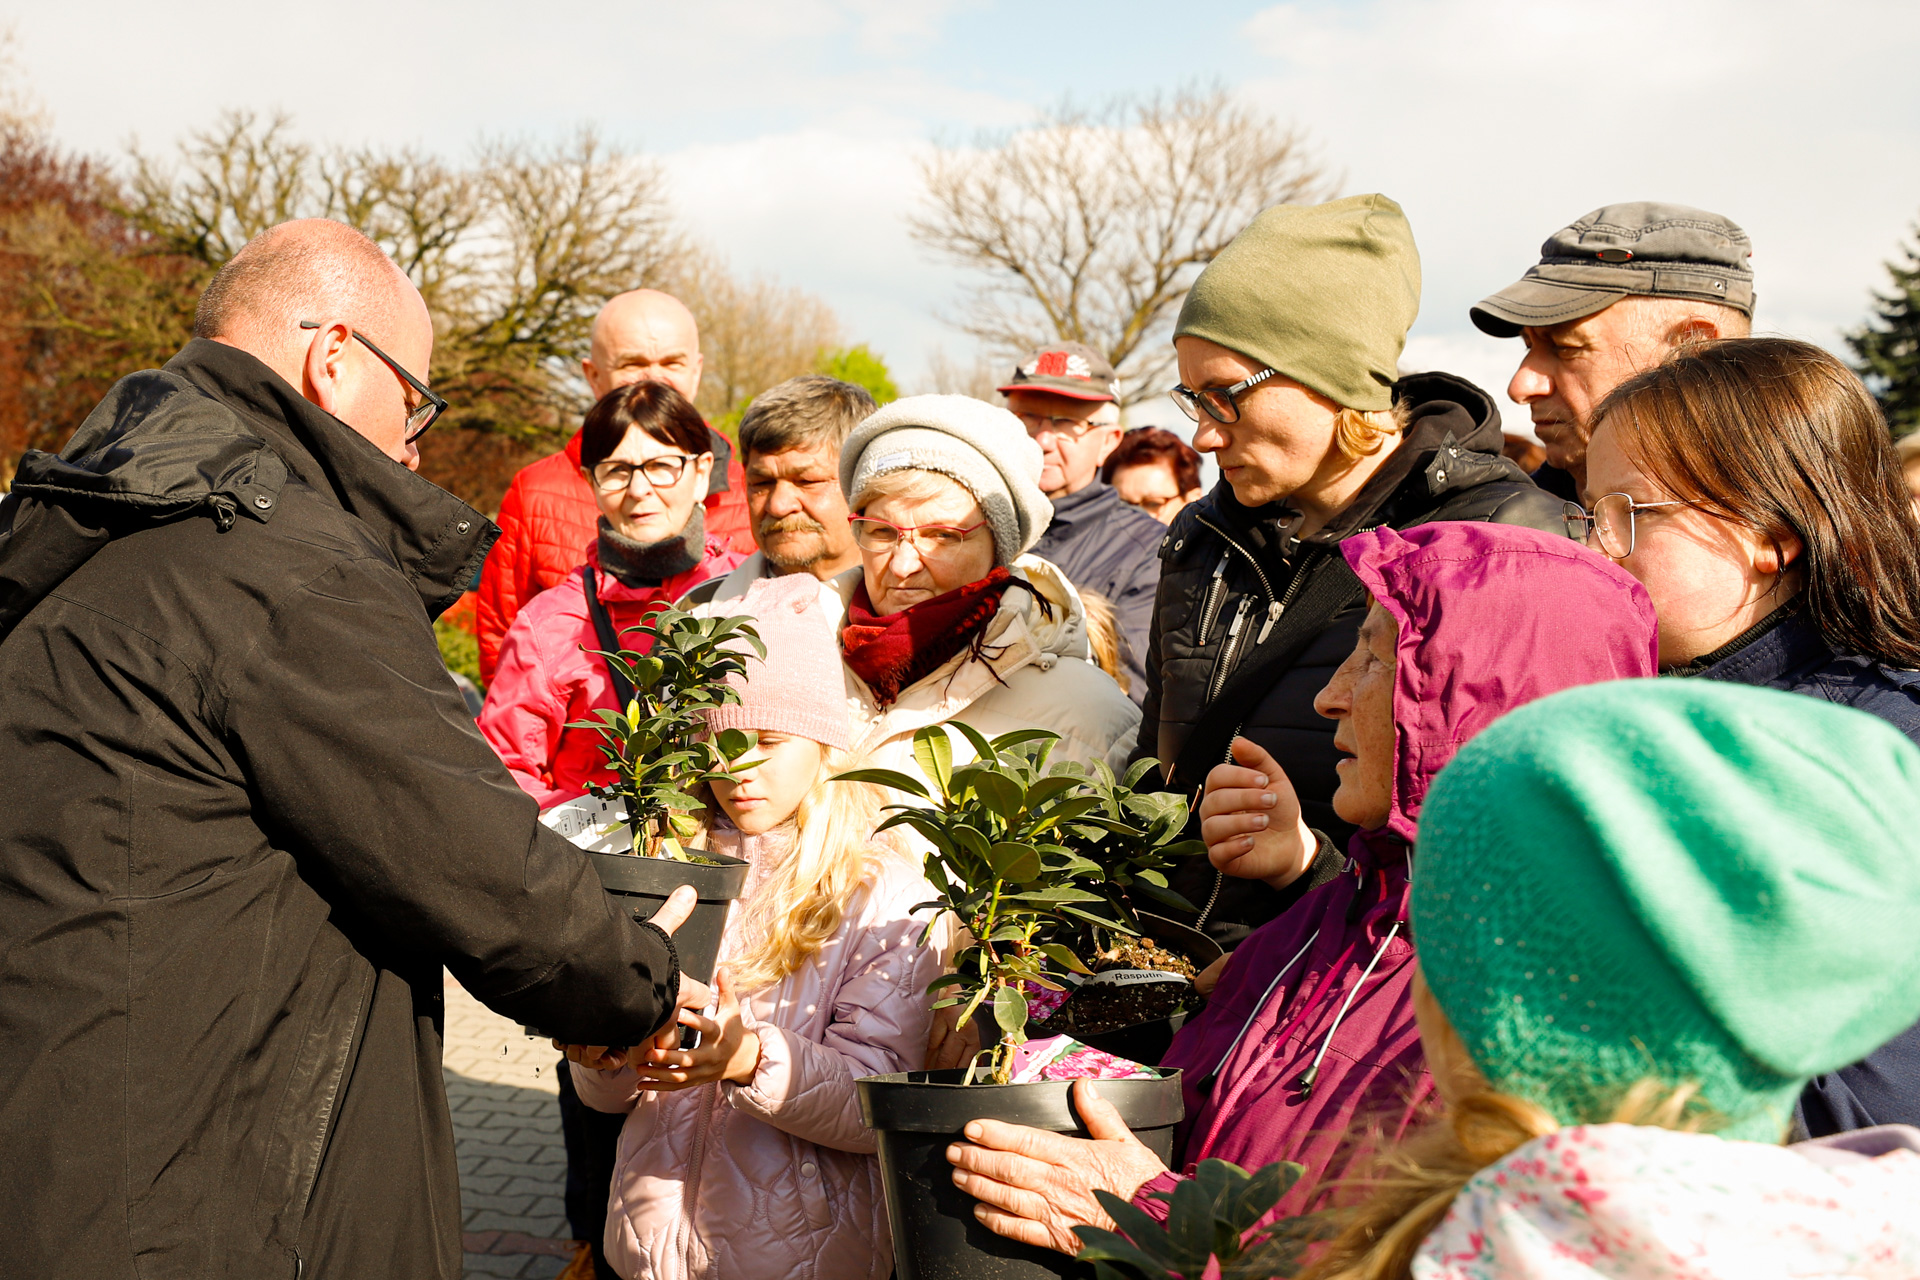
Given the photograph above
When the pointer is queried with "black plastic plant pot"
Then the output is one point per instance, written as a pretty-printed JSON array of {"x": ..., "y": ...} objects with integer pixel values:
[
  {"x": 1149, "y": 1041},
  {"x": 642, "y": 886},
  {"x": 917, "y": 1115}
]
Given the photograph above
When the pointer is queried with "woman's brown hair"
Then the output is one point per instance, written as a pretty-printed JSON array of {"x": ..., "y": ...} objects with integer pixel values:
[
  {"x": 654, "y": 407},
  {"x": 1780, "y": 437}
]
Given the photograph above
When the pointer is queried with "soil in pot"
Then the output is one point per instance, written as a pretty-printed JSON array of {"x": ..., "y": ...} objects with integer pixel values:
[
  {"x": 916, "y": 1115},
  {"x": 1134, "y": 1013}
]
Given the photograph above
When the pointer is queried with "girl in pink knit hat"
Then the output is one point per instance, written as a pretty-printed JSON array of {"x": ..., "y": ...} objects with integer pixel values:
[{"x": 747, "y": 1157}]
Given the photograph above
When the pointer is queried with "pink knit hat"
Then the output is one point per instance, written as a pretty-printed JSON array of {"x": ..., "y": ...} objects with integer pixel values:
[{"x": 799, "y": 688}]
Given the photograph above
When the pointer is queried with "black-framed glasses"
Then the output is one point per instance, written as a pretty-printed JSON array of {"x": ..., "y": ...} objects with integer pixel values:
[
  {"x": 662, "y": 472},
  {"x": 1610, "y": 525},
  {"x": 421, "y": 416},
  {"x": 1221, "y": 403}
]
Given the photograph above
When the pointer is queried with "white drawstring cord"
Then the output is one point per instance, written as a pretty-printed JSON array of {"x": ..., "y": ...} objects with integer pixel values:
[
  {"x": 1261, "y": 1004},
  {"x": 1305, "y": 1083}
]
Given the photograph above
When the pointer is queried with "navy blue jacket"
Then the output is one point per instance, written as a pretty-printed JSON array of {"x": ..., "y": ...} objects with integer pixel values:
[
  {"x": 1884, "y": 1088},
  {"x": 1104, "y": 545}
]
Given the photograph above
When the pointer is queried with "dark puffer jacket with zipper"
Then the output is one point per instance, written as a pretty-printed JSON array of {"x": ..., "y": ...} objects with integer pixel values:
[
  {"x": 247, "y": 819},
  {"x": 1252, "y": 622}
]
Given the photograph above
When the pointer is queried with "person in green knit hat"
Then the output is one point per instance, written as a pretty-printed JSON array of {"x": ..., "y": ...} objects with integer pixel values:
[
  {"x": 1648, "y": 912},
  {"x": 1288, "y": 347}
]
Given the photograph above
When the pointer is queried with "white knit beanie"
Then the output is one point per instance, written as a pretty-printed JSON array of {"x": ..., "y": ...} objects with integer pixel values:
[{"x": 983, "y": 448}]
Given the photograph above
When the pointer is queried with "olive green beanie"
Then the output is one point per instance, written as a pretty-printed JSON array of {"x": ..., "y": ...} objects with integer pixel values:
[
  {"x": 1680, "y": 880},
  {"x": 1322, "y": 293}
]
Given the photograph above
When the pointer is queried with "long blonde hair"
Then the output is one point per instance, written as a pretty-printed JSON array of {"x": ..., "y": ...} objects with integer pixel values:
[
  {"x": 1412, "y": 1186},
  {"x": 804, "y": 899}
]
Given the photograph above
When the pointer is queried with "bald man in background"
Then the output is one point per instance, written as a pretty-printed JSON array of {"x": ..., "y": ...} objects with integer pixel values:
[
  {"x": 549, "y": 517},
  {"x": 247, "y": 817}
]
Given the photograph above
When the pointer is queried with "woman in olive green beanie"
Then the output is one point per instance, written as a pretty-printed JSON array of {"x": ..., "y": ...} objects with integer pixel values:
[{"x": 1667, "y": 904}]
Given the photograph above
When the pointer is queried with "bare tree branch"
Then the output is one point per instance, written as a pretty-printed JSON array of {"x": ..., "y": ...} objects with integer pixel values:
[{"x": 1091, "y": 225}]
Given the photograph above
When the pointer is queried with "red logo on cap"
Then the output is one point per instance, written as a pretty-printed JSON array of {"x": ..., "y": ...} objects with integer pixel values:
[{"x": 1059, "y": 364}]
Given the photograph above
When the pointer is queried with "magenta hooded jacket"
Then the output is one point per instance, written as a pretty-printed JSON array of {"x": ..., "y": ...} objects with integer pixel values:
[{"x": 1491, "y": 617}]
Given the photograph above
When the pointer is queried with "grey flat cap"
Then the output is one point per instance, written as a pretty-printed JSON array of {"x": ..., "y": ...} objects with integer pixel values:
[{"x": 1645, "y": 248}]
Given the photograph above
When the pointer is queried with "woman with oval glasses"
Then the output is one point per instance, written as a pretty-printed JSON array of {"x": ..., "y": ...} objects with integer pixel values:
[
  {"x": 643, "y": 449},
  {"x": 1750, "y": 485}
]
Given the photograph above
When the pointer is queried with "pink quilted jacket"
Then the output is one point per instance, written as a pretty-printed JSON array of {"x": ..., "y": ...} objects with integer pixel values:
[{"x": 776, "y": 1178}]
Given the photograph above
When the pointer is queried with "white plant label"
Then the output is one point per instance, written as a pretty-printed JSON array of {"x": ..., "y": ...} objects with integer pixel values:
[{"x": 1133, "y": 978}]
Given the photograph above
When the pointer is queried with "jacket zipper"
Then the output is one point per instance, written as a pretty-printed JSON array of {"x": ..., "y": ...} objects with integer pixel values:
[
  {"x": 1228, "y": 647},
  {"x": 1216, "y": 594}
]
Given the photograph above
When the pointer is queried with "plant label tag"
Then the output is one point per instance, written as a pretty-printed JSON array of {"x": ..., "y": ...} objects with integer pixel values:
[{"x": 1133, "y": 978}]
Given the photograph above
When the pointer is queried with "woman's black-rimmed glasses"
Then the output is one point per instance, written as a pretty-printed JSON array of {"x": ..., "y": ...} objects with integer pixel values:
[
  {"x": 431, "y": 406},
  {"x": 1221, "y": 403}
]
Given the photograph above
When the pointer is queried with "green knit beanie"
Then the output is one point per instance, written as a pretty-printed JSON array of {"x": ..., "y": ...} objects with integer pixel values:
[
  {"x": 1322, "y": 293},
  {"x": 1673, "y": 879}
]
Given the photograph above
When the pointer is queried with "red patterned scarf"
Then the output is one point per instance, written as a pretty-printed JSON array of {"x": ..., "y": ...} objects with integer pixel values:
[{"x": 890, "y": 653}]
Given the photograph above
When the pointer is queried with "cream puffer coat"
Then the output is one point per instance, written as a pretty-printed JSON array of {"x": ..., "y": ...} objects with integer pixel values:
[{"x": 776, "y": 1177}]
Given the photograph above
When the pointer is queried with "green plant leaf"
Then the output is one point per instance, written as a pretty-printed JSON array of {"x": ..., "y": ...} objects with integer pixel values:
[
  {"x": 1001, "y": 794},
  {"x": 1063, "y": 956},
  {"x": 1010, "y": 1010},
  {"x": 933, "y": 752},
  {"x": 982, "y": 749},
  {"x": 1015, "y": 863},
  {"x": 886, "y": 778},
  {"x": 1008, "y": 741}
]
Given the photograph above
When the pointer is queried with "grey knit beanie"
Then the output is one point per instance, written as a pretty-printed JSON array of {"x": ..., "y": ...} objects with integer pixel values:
[{"x": 981, "y": 447}]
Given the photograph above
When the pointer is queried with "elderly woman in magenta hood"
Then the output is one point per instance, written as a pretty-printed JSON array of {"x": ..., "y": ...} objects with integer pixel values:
[{"x": 1310, "y": 1031}]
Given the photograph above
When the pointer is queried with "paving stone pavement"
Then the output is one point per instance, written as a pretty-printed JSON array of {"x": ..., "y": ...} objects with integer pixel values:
[{"x": 506, "y": 1132}]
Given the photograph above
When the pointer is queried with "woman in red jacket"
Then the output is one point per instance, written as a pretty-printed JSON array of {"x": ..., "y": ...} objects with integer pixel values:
[{"x": 644, "y": 452}]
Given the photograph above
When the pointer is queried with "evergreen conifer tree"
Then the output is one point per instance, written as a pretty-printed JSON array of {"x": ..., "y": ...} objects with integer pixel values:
[{"x": 1887, "y": 347}]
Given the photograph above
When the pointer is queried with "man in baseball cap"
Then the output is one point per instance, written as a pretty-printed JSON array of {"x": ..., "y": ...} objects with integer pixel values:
[
  {"x": 1067, "y": 396},
  {"x": 1612, "y": 294}
]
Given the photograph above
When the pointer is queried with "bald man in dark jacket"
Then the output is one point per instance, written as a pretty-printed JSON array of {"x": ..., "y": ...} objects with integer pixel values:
[{"x": 249, "y": 817}]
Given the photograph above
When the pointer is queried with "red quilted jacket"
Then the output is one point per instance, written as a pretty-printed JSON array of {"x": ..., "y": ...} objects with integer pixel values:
[{"x": 548, "y": 520}]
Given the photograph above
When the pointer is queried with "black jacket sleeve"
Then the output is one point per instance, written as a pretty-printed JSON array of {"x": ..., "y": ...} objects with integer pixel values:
[{"x": 364, "y": 764}]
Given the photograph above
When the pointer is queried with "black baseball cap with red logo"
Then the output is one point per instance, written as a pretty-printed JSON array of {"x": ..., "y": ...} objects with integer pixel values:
[{"x": 1066, "y": 369}]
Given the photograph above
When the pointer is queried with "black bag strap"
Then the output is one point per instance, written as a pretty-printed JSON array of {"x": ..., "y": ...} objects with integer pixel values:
[
  {"x": 609, "y": 640},
  {"x": 1331, "y": 587}
]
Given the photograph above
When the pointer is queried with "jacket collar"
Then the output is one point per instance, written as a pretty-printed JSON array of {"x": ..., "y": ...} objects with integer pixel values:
[
  {"x": 1781, "y": 642},
  {"x": 1092, "y": 503},
  {"x": 432, "y": 537}
]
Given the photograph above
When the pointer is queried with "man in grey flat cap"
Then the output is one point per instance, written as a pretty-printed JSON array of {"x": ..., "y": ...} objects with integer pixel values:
[{"x": 1611, "y": 295}]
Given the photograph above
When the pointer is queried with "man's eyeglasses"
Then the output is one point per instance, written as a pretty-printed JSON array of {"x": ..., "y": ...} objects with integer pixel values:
[
  {"x": 1220, "y": 403},
  {"x": 421, "y": 416},
  {"x": 883, "y": 537},
  {"x": 1065, "y": 428},
  {"x": 1609, "y": 525},
  {"x": 662, "y": 472}
]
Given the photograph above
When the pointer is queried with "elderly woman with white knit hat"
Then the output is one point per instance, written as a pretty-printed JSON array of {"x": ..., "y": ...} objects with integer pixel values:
[{"x": 947, "y": 617}]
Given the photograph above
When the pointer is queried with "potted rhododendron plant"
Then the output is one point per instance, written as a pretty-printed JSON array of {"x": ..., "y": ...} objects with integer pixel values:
[{"x": 1012, "y": 840}]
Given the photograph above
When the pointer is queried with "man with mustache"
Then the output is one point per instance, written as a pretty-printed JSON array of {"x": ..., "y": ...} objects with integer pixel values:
[
  {"x": 1611, "y": 295},
  {"x": 790, "y": 443}
]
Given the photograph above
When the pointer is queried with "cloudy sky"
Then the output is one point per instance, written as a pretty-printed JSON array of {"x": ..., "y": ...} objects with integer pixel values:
[{"x": 790, "y": 128}]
